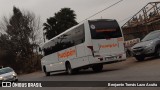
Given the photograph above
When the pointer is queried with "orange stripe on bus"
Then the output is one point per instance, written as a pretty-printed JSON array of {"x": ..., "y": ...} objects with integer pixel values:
[
  {"x": 108, "y": 46},
  {"x": 67, "y": 54}
]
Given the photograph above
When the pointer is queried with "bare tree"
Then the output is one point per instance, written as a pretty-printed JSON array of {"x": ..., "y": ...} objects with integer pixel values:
[{"x": 36, "y": 27}]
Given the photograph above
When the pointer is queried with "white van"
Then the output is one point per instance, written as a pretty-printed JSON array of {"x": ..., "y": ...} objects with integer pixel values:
[{"x": 89, "y": 44}]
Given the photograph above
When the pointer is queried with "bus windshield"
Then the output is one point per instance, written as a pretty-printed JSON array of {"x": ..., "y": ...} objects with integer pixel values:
[{"x": 104, "y": 29}]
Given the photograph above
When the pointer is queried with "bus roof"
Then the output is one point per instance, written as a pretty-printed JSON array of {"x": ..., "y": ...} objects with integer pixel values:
[{"x": 102, "y": 20}]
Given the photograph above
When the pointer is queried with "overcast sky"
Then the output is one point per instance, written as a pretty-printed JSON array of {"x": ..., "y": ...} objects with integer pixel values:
[{"x": 83, "y": 8}]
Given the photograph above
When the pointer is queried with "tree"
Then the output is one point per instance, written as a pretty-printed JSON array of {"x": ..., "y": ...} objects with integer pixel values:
[
  {"x": 22, "y": 30},
  {"x": 6, "y": 54},
  {"x": 63, "y": 20}
]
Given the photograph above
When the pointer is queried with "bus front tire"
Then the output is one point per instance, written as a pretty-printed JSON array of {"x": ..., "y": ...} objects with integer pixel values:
[
  {"x": 69, "y": 69},
  {"x": 46, "y": 73},
  {"x": 97, "y": 68}
]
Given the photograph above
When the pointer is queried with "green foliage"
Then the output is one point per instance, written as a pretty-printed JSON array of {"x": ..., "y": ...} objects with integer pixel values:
[
  {"x": 7, "y": 55},
  {"x": 63, "y": 20},
  {"x": 19, "y": 31}
]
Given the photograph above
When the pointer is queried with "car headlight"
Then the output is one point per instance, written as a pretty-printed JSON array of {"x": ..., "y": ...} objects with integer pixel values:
[
  {"x": 1, "y": 78},
  {"x": 14, "y": 74}
]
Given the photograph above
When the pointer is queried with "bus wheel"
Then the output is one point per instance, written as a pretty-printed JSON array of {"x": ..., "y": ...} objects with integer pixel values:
[
  {"x": 97, "y": 67},
  {"x": 69, "y": 68},
  {"x": 76, "y": 71},
  {"x": 46, "y": 73}
]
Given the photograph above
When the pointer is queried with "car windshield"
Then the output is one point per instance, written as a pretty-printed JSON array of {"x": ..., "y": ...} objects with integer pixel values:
[
  {"x": 151, "y": 36},
  {"x": 5, "y": 70},
  {"x": 1, "y": 71}
]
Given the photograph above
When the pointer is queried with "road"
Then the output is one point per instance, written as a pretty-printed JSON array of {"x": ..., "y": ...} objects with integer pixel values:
[{"x": 129, "y": 70}]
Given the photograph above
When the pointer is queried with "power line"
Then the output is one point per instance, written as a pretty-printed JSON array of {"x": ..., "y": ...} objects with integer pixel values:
[
  {"x": 103, "y": 10},
  {"x": 125, "y": 19}
]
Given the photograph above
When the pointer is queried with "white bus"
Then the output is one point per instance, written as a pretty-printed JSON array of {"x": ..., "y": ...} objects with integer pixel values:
[{"x": 87, "y": 45}]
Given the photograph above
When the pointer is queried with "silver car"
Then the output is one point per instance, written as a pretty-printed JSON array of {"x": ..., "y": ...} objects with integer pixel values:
[
  {"x": 8, "y": 74},
  {"x": 149, "y": 46}
]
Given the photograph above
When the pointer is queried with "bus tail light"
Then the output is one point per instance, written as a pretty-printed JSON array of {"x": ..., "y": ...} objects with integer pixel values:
[{"x": 91, "y": 48}]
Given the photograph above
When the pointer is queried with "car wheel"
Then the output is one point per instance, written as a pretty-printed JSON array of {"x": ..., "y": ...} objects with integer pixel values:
[
  {"x": 158, "y": 52},
  {"x": 140, "y": 58},
  {"x": 16, "y": 80},
  {"x": 97, "y": 68}
]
